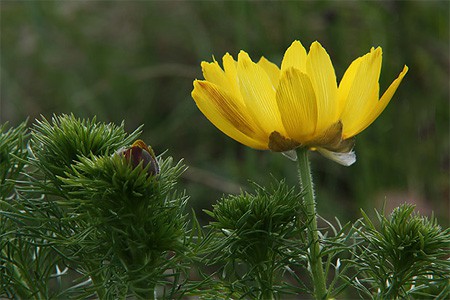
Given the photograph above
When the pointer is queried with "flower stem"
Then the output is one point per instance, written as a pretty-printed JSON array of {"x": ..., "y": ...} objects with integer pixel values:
[{"x": 315, "y": 261}]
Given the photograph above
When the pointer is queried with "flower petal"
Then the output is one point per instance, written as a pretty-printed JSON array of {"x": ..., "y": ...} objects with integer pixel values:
[
  {"x": 358, "y": 91},
  {"x": 227, "y": 114},
  {"x": 214, "y": 73},
  {"x": 279, "y": 143},
  {"x": 259, "y": 95},
  {"x": 345, "y": 159},
  {"x": 346, "y": 83},
  {"x": 291, "y": 154},
  {"x": 294, "y": 57},
  {"x": 230, "y": 67},
  {"x": 271, "y": 69},
  {"x": 381, "y": 105},
  {"x": 331, "y": 139},
  {"x": 297, "y": 104},
  {"x": 323, "y": 78}
]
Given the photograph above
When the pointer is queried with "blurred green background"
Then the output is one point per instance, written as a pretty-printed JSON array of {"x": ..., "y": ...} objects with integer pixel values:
[{"x": 136, "y": 60}]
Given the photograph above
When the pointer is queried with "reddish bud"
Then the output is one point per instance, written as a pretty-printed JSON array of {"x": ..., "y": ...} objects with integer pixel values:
[{"x": 140, "y": 152}]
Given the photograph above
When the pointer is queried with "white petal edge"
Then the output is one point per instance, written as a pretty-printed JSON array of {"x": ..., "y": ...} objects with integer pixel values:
[
  {"x": 291, "y": 154},
  {"x": 345, "y": 159}
]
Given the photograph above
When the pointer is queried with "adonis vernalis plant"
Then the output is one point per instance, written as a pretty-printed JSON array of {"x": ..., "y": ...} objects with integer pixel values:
[{"x": 89, "y": 211}]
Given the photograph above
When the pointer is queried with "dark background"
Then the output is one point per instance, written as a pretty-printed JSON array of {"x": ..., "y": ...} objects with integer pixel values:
[{"x": 136, "y": 60}]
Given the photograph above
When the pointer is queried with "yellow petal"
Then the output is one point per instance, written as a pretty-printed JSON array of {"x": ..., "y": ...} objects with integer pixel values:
[
  {"x": 323, "y": 78},
  {"x": 346, "y": 83},
  {"x": 355, "y": 120},
  {"x": 297, "y": 104},
  {"x": 259, "y": 95},
  {"x": 358, "y": 91},
  {"x": 380, "y": 105},
  {"x": 294, "y": 57},
  {"x": 271, "y": 69},
  {"x": 212, "y": 72},
  {"x": 230, "y": 67},
  {"x": 227, "y": 114}
]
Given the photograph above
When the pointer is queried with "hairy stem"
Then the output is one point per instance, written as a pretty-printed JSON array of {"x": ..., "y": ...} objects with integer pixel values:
[{"x": 315, "y": 261}]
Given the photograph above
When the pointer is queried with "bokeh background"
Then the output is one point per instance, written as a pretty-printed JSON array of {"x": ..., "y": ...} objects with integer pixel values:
[{"x": 136, "y": 60}]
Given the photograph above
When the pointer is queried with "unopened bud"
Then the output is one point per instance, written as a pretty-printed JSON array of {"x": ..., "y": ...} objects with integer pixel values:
[{"x": 140, "y": 152}]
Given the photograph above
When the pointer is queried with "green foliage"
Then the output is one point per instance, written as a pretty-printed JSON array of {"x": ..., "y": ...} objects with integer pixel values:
[
  {"x": 256, "y": 235},
  {"x": 407, "y": 256},
  {"x": 85, "y": 208},
  {"x": 139, "y": 219},
  {"x": 267, "y": 217},
  {"x": 58, "y": 144},
  {"x": 29, "y": 268},
  {"x": 337, "y": 242},
  {"x": 13, "y": 156}
]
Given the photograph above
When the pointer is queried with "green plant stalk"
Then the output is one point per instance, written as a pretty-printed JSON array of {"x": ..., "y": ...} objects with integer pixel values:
[
  {"x": 265, "y": 280},
  {"x": 320, "y": 289},
  {"x": 98, "y": 282}
]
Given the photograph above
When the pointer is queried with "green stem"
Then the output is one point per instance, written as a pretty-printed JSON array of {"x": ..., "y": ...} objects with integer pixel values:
[
  {"x": 320, "y": 289},
  {"x": 265, "y": 280},
  {"x": 98, "y": 282}
]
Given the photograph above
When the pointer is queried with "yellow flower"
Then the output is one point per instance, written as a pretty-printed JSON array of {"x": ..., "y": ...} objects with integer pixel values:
[{"x": 298, "y": 105}]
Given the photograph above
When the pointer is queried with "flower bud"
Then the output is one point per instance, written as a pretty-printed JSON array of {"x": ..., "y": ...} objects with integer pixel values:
[{"x": 140, "y": 152}]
